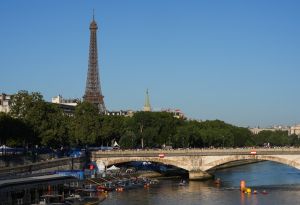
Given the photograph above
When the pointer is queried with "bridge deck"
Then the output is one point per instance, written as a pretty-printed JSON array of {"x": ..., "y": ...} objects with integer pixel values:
[{"x": 195, "y": 152}]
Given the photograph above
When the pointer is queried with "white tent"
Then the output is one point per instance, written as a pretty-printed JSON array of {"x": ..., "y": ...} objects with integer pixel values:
[
  {"x": 5, "y": 147},
  {"x": 116, "y": 145},
  {"x": 101, "y": 166},
  {"x": 113, "y": 168}
]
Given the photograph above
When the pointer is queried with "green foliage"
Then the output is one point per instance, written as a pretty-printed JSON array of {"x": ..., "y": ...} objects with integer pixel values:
[
  {"x": 294, "y": 140},
  {"x": 25, "y": 105},
  {"x": 277, "y": 138},
  {"x": 30, "y": 108},
  {"x": 47, "y": 123},
  {"x": 33, "y": 121},
  {"x": 128, "y": 140},
  {"x": 182, "y": 137},
  {"x": 85, "y": 125},
  {"x": 154, "y": 128},
  {"x": 112, "y": 129},
  {"x": 55, "y": 133},
  {"x": 13, "y": 131},
  {"x": 242, "y": 137}
]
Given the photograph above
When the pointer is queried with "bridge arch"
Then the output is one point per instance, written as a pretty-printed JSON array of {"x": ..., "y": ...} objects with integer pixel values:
[
  {"x": 198, "y": 161},
  {"x": 275, "y": 158},
  {"x": 173, "y": 162}
]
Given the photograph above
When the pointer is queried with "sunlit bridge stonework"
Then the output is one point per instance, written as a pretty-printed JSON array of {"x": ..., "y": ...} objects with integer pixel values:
[
  {"x": 93, "y": 93},
  {"x": 198, "y": 161}
]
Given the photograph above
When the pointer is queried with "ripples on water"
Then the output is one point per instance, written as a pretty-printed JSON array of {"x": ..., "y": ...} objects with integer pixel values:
[{"x": 281, "y": 182}]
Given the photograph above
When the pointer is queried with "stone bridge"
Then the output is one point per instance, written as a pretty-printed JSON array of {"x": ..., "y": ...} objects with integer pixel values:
[{"x": 198, "y": 161}]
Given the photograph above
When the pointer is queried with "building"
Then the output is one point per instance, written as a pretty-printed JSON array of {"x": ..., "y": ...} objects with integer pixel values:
[
  {"x": 177, "y": 113},
  {"x": 257, "y": 130},
  {"x": 147, "y": 106},
  {"x": 93, "y": 93},
  {"x": 60, "y": 100},
  {"x": 295, "y": 130},
  {"x": 67, "y": 105},
  {"x": 5, "y": 101},
  {"x": 67, "y": 109},
  {"x": 125, "y": 113}
]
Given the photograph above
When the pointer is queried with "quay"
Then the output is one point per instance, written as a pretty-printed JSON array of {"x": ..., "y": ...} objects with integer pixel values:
[
  {"x": 10, "y": 183},
  {"x": 66, "y": 163},
  {"x": 29, "y": 189}
]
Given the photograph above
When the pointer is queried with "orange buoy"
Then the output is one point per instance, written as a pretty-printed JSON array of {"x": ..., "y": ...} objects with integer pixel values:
[
  {"x": 218, "y": 181},
  {"x": 119, "y": 189},
  {"x": 248, "y": 190},
  {"x": 49, "y": 189},
  {"x": 242, "y": 185}
]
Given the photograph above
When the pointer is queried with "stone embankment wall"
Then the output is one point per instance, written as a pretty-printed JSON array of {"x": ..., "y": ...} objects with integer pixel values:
[
  {"x": 45, "y": 166},
  {"x": 12, "y": 160}
]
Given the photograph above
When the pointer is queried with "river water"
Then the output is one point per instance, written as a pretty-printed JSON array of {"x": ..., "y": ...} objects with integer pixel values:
[{"x": 281, "y": 182}]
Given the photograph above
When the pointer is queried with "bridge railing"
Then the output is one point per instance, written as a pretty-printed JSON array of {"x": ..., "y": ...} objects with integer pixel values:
[{"x": 189, "y": 152}]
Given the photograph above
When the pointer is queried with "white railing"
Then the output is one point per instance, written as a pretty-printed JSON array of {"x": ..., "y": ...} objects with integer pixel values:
[{"x": 200, "y": 151}]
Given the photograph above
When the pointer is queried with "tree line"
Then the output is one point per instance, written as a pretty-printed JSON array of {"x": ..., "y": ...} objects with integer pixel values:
[{"x": 33, "y": 121}]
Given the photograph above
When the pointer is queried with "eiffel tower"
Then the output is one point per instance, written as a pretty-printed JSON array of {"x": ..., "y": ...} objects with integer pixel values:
[{"x": 93, "y": 92}]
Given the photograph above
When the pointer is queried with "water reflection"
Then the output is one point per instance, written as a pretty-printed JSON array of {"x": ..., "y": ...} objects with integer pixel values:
[
  {"x": 276, "y": 178},
  {"x": 281, "y": 182},
  {"x": 48, "y": 192},
  {"x": 260, "y": 174}
]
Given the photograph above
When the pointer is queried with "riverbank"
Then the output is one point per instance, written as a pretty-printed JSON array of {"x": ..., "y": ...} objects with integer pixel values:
[{"x": 149, "y": 174}]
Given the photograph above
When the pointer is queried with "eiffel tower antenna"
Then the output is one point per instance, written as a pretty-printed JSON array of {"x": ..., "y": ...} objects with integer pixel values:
[{"x": 93, "y": 14}]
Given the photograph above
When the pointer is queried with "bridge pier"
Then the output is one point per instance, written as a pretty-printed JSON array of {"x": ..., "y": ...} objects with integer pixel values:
[{"x": 199, "y": 175}]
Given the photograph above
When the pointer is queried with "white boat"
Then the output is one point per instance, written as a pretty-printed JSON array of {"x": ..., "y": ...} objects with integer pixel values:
[
  {"x": 50, "y": 199},
  {"x": 182, "y": 183}
]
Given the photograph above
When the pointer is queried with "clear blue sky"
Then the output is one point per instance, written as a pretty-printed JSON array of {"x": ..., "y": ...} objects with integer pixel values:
[{"x": 238, "y": 61}]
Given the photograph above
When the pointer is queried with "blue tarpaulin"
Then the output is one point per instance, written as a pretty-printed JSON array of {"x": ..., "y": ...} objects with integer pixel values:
[{"x": 79, "y": 174}]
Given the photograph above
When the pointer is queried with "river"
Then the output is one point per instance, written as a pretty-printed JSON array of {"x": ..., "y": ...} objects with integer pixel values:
[{"x": 281, "y": 182}]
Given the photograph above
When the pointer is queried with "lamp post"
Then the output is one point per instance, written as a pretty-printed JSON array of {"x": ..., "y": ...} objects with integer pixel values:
[
  {"x": 223, "y": 138},
  {"x": 142, "y": 139}
]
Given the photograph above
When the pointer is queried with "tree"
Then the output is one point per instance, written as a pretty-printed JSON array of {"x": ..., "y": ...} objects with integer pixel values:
[
  {"x": 142, "y": 120},
  {"x": 112, "y": 128},
  {"x": 154, "y": 129},
  {"x": 24, "y": 103},
  {"x": 128, "y": 140},
  {"x": 30, "y": 108},
  {"x": 85, "y": 125},
  {"x": 55, "y": 133},
  {"x": 242, "y": 136},
  {"x": 13, "y": 131},
  {"x": 279, "y": 138},
  {"x": 262, "y": 137},
  {"x": 47, "y": 121},
  {"x": 182, "y": 137},
  {"x": 165, "y": 124},
  {"x": 295, "y": 140}
]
